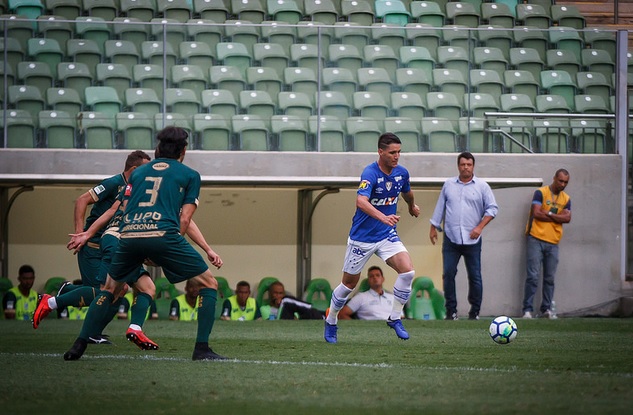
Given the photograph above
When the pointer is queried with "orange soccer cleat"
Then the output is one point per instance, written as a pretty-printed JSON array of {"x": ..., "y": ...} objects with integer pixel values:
[{"x": 140, "y": 339}]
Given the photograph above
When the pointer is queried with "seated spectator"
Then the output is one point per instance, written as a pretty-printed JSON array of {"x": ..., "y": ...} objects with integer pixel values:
[
  {"x": 241, "y": 306},
  {"x": 185, "y": 306},
  {"x": 373, "y": 304},
  {"x": 286, "y": 307},
  {"x": 19, "y": 302}
]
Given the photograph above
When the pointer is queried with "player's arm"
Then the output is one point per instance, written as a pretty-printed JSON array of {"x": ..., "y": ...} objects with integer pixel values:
[
  {"x": 81, "y": 205},
  {"x": 77, "y": 240},
  {"x": 414, "y": 210},
  {"x": 345, "y": 313},
  {"x": 186, "y": 213},
  {"x": 196, "y": 236},
  {"x": 362, "y": 203}
]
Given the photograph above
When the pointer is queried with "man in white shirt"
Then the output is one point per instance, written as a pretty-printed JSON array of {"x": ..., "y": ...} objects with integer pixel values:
[{"x": 373, "y": 304}]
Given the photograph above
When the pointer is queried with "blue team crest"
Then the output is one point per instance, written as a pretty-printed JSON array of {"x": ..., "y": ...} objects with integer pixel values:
[{"x": 388, "y": 185}]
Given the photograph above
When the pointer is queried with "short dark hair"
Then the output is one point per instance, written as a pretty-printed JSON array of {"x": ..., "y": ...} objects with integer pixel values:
[
  {"x": 25, "y": 269},
  {"x": 171, "y": 141},
  {"x": 135, "y": 159},
  {"x": 243, "y": 284},
  {"x": 386, "y": 139},
  {"x": 374, "y": 267},
  {"x": 466, "y": 155},
  {"x": 564, "y": 171},
  {"x": 274, "y": 284}
]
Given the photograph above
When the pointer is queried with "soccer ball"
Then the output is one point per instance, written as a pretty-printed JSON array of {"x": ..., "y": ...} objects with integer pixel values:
[{"x": 503, "y": 330}]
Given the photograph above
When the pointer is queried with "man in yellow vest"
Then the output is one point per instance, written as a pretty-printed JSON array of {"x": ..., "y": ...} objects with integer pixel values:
[
  {"x": 551, "y": 207},
  {"x": 185, "y": 306},
  {"x": 241, "y": 306},
  {"x": 19, "y": 302}
]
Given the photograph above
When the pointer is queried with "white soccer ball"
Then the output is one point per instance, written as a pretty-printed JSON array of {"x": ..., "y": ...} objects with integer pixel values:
[{"x": 503, "y": 330}]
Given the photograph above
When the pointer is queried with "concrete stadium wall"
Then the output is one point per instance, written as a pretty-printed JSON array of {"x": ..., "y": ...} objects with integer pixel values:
[{"x": 254, "y": 228}]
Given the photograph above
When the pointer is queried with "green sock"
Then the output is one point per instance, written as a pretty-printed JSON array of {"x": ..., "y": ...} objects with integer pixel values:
[
  {"x": 81, "y": 296},
  {"x": 114, "y": 308},
  {"x": 70, "y": 287},
  {"x": 206, "y": 313},
  {"x": 95, "y": 319},
  {"x": 139, "y": 309}
]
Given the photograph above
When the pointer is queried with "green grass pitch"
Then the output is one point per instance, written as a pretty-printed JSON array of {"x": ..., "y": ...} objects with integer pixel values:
[{"x": 565, "y": 366}]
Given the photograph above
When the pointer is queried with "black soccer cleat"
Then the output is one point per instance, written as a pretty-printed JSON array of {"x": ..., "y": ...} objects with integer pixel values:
[
  {"x": 78, "y": 349},
  {"x": 206, "y": 354}
]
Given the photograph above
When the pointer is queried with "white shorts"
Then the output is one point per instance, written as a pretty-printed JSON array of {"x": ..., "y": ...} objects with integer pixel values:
[{"x": 358, "y": 253}]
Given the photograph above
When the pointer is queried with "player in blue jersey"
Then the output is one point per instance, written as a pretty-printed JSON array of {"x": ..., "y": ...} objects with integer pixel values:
[
  {"x": 374, "y": 232},
  {"x": 161, "y": 198}
]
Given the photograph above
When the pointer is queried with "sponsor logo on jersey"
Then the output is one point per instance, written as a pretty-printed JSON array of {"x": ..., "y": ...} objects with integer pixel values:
[
  {"x": 381, "y": 179},
  {"x": 398, "y": 178},
  {"x": 128, "y": 190},
  {"x": 160, "y": 166},
  {"x": 358, "y": 251},
  {"x": 364, "y": 184},
  {"x": 99, "y": 189},
  {"x": 387, "y": 201}
]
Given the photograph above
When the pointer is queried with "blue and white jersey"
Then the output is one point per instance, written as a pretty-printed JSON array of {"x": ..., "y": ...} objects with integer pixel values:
[{"x": 383, "y": 191}]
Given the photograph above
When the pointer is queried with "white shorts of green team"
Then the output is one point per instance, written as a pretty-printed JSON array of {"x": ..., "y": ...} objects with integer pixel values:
[{"x": 358, "y": 253}]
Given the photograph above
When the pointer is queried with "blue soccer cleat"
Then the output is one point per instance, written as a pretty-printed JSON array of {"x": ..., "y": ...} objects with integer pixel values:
[
  {"x": 330, "y": 332},
  {"x": 401, "y": 332}
]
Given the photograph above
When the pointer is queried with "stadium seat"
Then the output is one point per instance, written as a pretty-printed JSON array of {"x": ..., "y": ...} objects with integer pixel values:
[
  {"x": 392, "y": 11},
  {"x": 370, "y": 105},
  {"x": 182, "y": 101},
  {"x": 68, "y": 9},
  {"x": 178, "y": 10},
  {"x": 53, "y": 285},
  {"x": 428, "y": 12},
  {"x": 175, "y": 119},
  {"x": 242, "y": 31},
  {"x": 150, "y": 76},
  {"x": 37, "y": 74},
  {"x": 301, "y": 79},
  {"x": 588, "y": 136},
  {"x": 75, "y": 75},
  {"x": 490, "y": 59},
  {"x": 567, "y": 38},
  {"x": 563, "y": 60},
  {"x": 97, "y": 130},
  {"x": 488, "y": 82},
  {"x": 11, "y": 48},
  {"x": 474, "y": 136},
  {"x": 262, "y": 290},
  {"x": 445, "y": 105},
  {"x": 567, "y": 15},
  {"x": 213, "y": 131},
  {"x": 601, "y": 39},
  {"x": 451, "y": 81},
  {"x": 552, "y": 104},
  {"x": 19, "y": 30},
  {"x": 382, "y": 56},
  {"x": 314, "y": 33},
  {"x": 286, "y": 11},
  {"x": 217, "y": 11},
  {"x": 532, "y": 38},
  {"x": 47, "y": 51},
  {"x": 258, "y": 103},
  {"x": 154, "y": 53},
  {"x": 364, "y": 133},
  {"x": 122, "y": 52},
  {"x": 250, "y": 10},
  {"x": 206, "y": 31},
  {"x": 416, "y": 57},
  {"x": 328, "y": 133},
  {"x": 143, "y": 10},
  {"x": 64, "y": 100},
  {"x": 553, "y": 135},
  {"x": 463, "y": 13},
  {"x": 30, "y": 9},
  {"x": 199, "y": 54},
  {"x": 376, "y": 80},
  {"x": 93, "y": 28},
  {"x": 597, "y": 60},
  {"x": 511, "y": 4},
  {"x": 333, "y": 103},
  {"x": 527, "y": 59},
  {"x": 143, "y": 100},
  {"x": 454, "y": 57},
  {"x": 358, "y": 11},
  {"x": 251, "y": 132},
  {"x": 324, "y": 11},
  {"x": 594, "y": 83},
  {"x": 427, "y": 303},
  {"x": 346, "y": 56},
  {"x": 522, "y": 82},
  {"x": 279, "y": 33},
  {"x": 266, "y": 79},
  {"x": 478, "y": 103},
  {"x": 407, "y": 130},
  {"x": 460, "y": 36},
  {"x": 271, "y": 55},
  {"x": 590, "y": 104},
  {"x": 296, "y": 104},
  {"x": 559, "y": 83},
  {"x": 439, "y": 135},
  {"x": 495, "y": 37},
  {"x": 516, "y": 102},
  {"x": 220, "y": 102},
  {"x": 517, "y": 134},
  {"x": 136, "y": 130},
  {"x": 20, "y": 128},
  {"x": 6, "y": 73},
  {"x": 131, "y": 30},
  {"x": 168, "y": 30},
  {"x": 408, "y": 105},
  {"x": 114, "y": 75},
  {"x": 290, "y": 133},
  {"x": 339, "y": 79},
  {"x": 235, "y": 55},
  {"x": 103, "y": 99},
  {"x": 189, "y": 77},
  {"x": 414, "y": 80},
  {"x": 425, "y": 36},
  {"x": 533, "y": 15},
  {"x": 318, "y": 293},
  {"x": 497, "y": 14},
  {"x": 391, "y": 35},
  {"x": 28, "y": 98},
  {"x": 308, "y": 56},
  {"x": 348, "y": 33},
  {"x": 229, "y": 78},
  {"x": 50, "y": 27},
  {"x": 85, "y": 51}
]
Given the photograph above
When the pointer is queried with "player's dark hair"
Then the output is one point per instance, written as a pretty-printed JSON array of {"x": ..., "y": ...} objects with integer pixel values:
[
  {"x": 466, "y": 155},
  {"x": 135, "y": 159},
  {"x": 274, "y": 284},
  {"x": 373, "y": 267},
  {"x": 243, "y": 284},
  {"x": 386, "y": 139},
  {"x": 24, "y": 269},
  {"x": 171, "y": 142},
  {"x": 564, "y": 171}
]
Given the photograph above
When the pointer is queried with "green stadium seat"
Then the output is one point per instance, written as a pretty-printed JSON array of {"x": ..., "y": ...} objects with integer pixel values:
[
  {"x": 191, "y": 77},
  {"x": 386, "y": 34},
  {"x": 488, "y": 82},
  {"x": 18, "y": 30},
  {"x": 262, "y": 290},
  {"x": 174, "y": 119},
  {"x": 407, "y": 130},
  {"x": 594, "y": 83},
  {"x": 271, "y": 55},
  {"x": 392, "y": 11},
  {"x": 520, "y": 130},
  {"x": 68, "y": 9},
  {"x": 333, "y": 103},
  {"x": 104, "y": 9},
  {"x": 179, "y": 10},
  {"x": 170, "y": 30},
  {"x": 37, "y": 74},
  {"x": 428, "y": 12},
  {"x": 252, "y": 133},
  {"x": 349, "y": 33},
  {"x": 495, "y": 37},
  {"x": 426, "y": 36},
  {"x": 20, "y": 129},
  {"x": 429, "y": 304},
  {"x": 11, "y": 48},
  {"x": 64, "y": 100},
  {"x": 86, "y": 52},
  {"x": 297, "y": 104},
  {"x": 286, "y": 11},
  {"x": 250, "y": 10},
  {"x": 314, "y": 33},
  {"x": 497, "y": 14},
  {"x": 597, "y": 38},
  {"x": 532, "y": 38},
  {"x": 258, "y": 103},
  {"x": 478, "y": 103},
  {"x": 75, "y": 75},
  {"x": 408, "y": 105},
  {"x": 563, "y": 60},
  {"x": 301, "y": 79},
  {"x": 264, "y": 79},
  {"x": 527, "y": 59},
  {"x": 439, "y": 135},
  {"x": 30, "y": 9},
  {"x": 6, "y": 73},
  {"x": 370, "y": 105},
  {"x": 590, "y": 104},
  {"x": 376, "y": 80},
  {"x": 511, "y": 4},
  {"x": 28, "y": 98},
  {"x": 445, "y": 105},
  {"x": 93, "y": 28},
  {"x": 516, "y": 102},
  {"x": 318, "y": 293},
  {"x": 242, "y": 31},
  {"x": 463, "y": 13},
  {"x": 567, "y": 15},
  {"x": 522, "y": 82},
  {"x": 416, "y": 57},
  {"x": 47, "y": 51},
  {"x": 451, "y": 81},
  {"x": 598, "y": 60},
  {"x": 382, "y": 56},
  {"x": 154, "y": 53},
  {"x": 460, "y": 36},
  {"x": 182, "y": 101},
  {"x": 340, "y": 79},
  {"x": 454, "y": 57},
  {"x": 52, "y": 27},
  {"x": 97, "y": 130},
  {"x": 568, "y": 39},
  {"x": 474, "y": 136},
  {"x": 149, "y": 76},
  {"x": 291, "y": 133},
  {"x": 220, "y": 102},
  {"x": 490, "y": 59},
  {"x": 552, "y": 104},
  {"x": 279, "y": 33},
  {"x": 103, "y": 99},
  {"x": 143, "y": 100},
  {"x": 123, "y": 52},
  {"x": 142, "y": 10},
  {"x": 235, "y": 55},
  {"x": 213, "y": 131},
  {"x": 559, "y": 83},
  {"x": 132, "y": 30},
  {"x": 345, "y": 56},
  {"x": 328, "y": 133},
  {"x": 217, "y": 11},
  {"x": 414, "y": 80},
  {"x": 206, "y": 31},
  {"x": 58, "y": 129},
  {"x": 533, "y": 15},
  {"x": 364, "y": 133},
  {"x": 358, "y": 11},
  {"x": 115, "y": 75},
  {"x": 136, "y": 130},
  {"x": 588, "y": 136},
  {"x": 324, "y": 11},
  {"x": 553, "y": 135},
  {"x": 308, "y": 56},
  {"x": 229, "y": 78}
]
